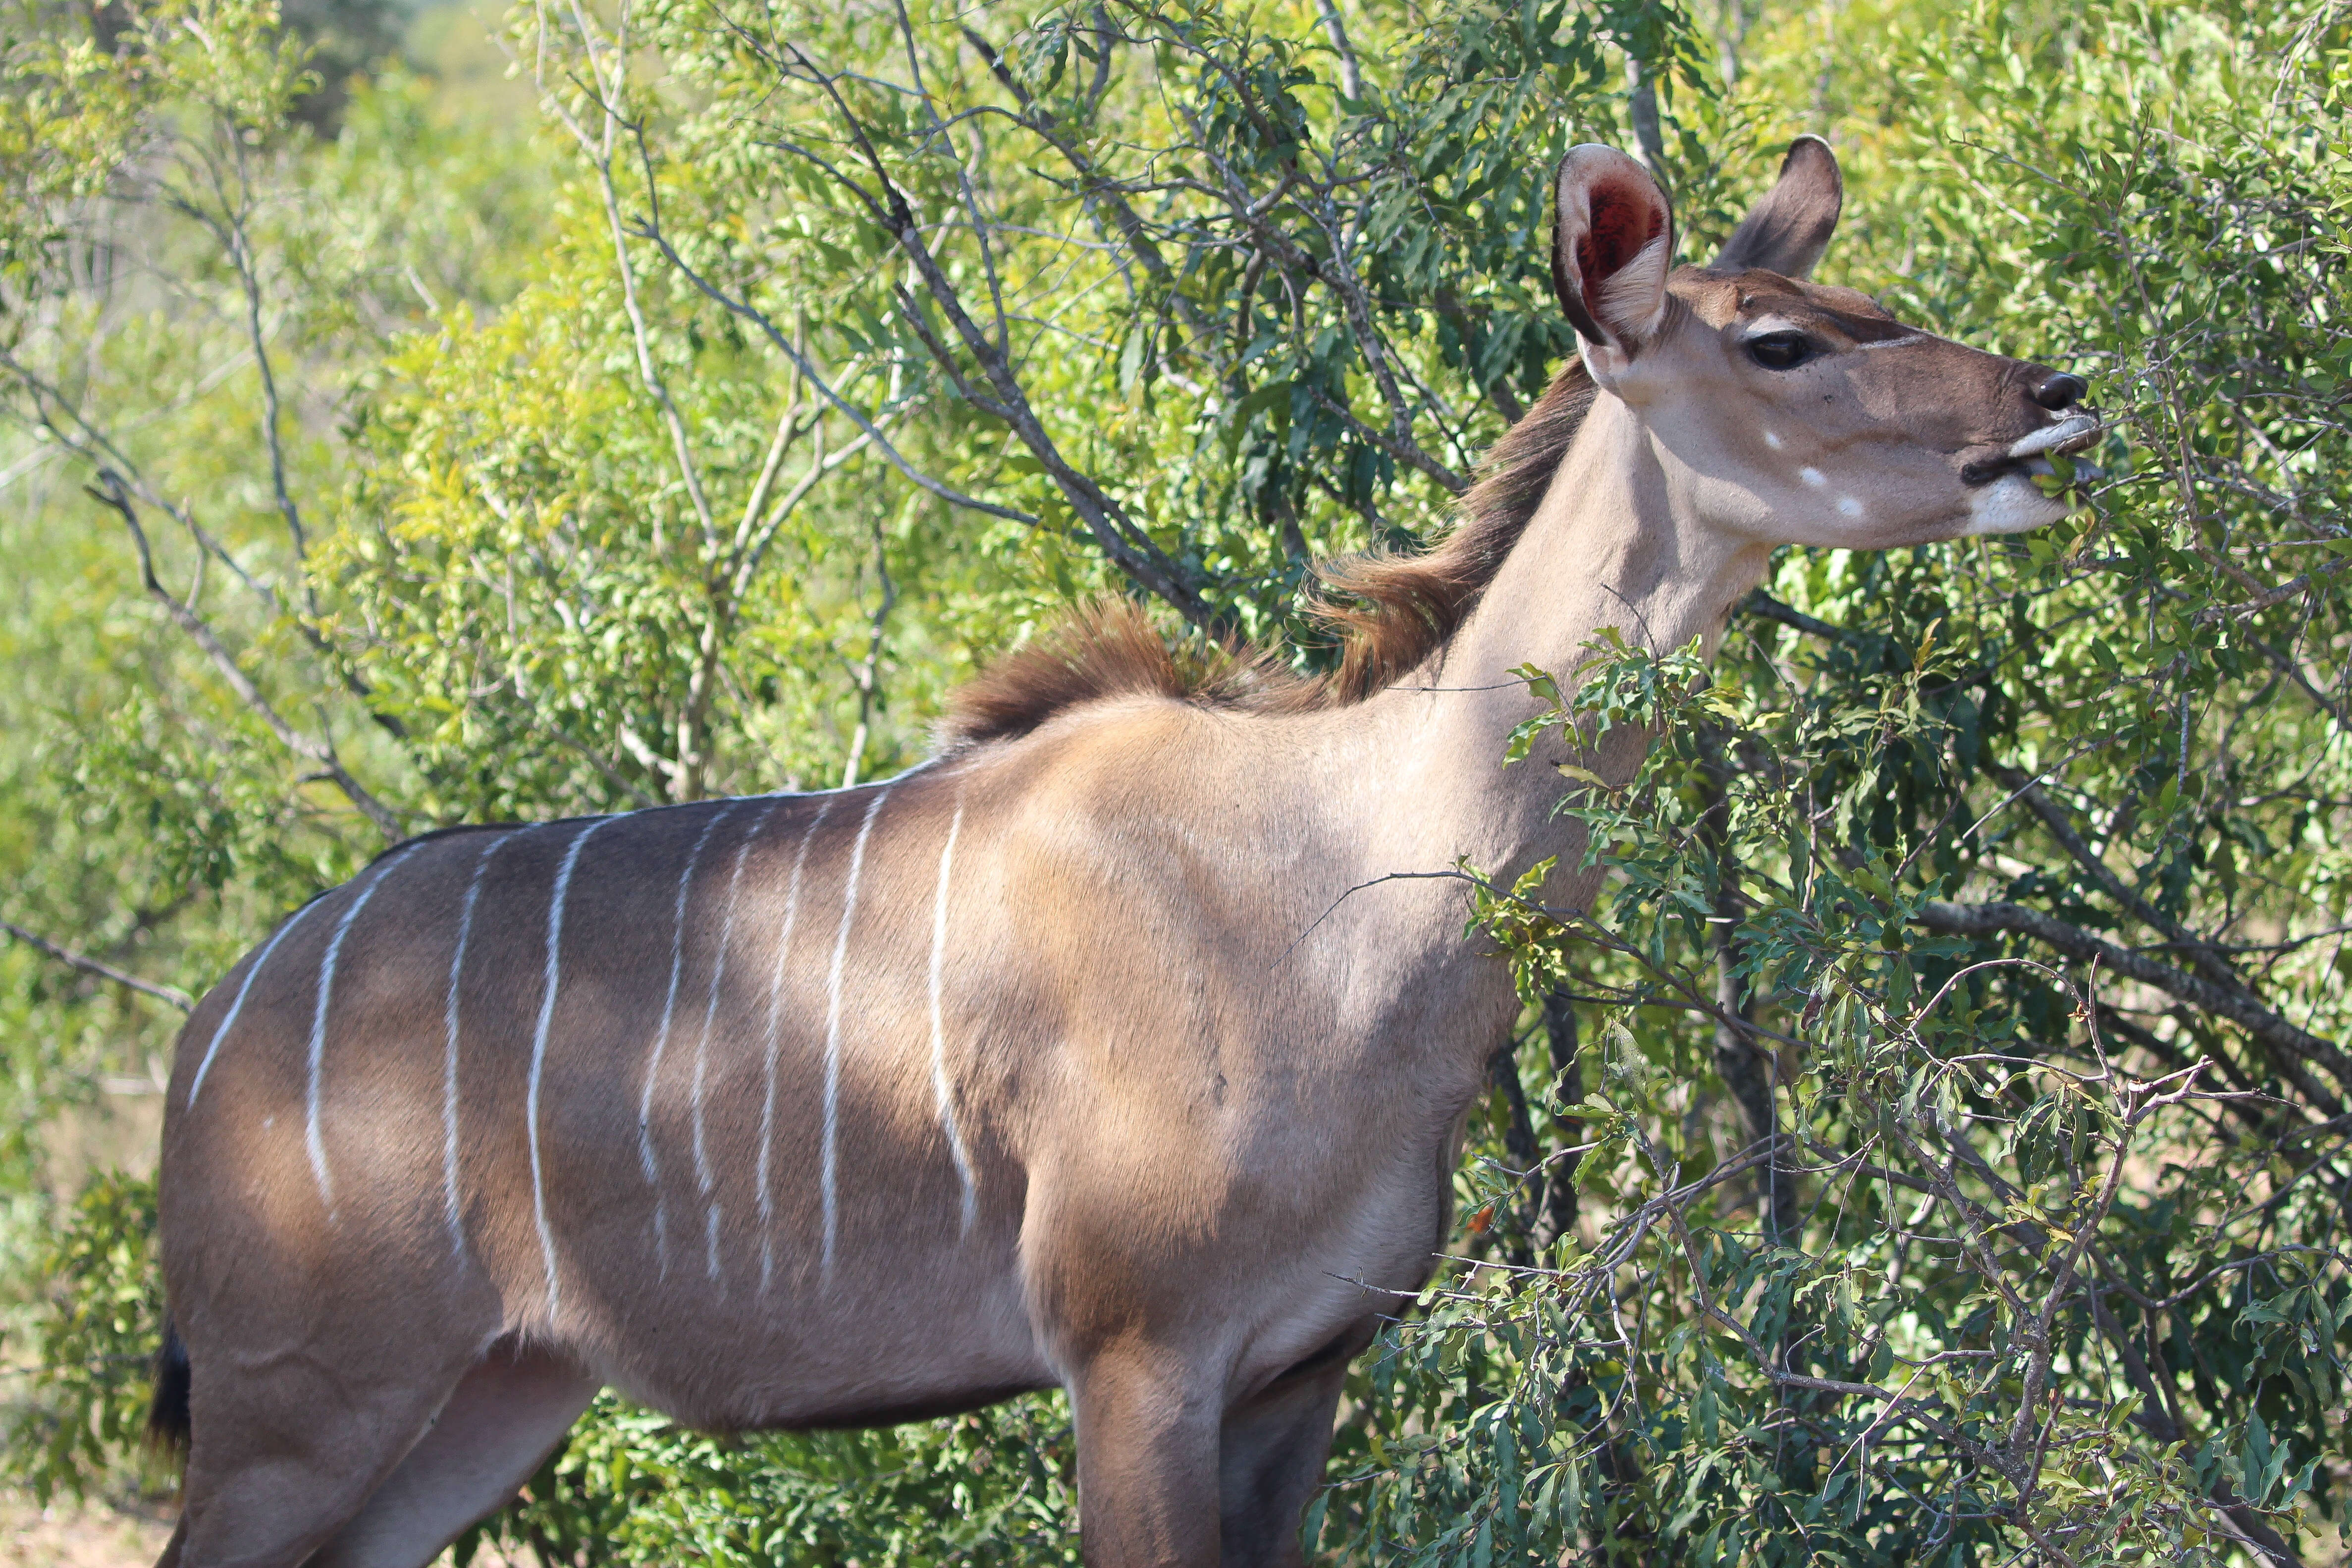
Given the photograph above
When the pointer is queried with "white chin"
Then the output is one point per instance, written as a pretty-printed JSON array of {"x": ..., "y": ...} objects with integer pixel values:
[{"x": 2011, "y": 504}]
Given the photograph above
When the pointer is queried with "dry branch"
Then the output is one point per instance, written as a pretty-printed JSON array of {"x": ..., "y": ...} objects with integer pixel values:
[
  {"x": 111, "y": 493},
  {"x": 2237, "y": 1006},
  {"x": 170, "y": 994}
]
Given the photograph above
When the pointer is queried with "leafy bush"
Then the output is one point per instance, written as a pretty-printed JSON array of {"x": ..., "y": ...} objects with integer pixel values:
[
  {"x": 84, "y": 1413},
  {"x": 994, "y": 1487}
]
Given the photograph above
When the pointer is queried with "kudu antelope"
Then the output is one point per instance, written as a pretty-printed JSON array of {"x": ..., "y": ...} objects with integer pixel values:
[{"x": 1059, "y": 1060}]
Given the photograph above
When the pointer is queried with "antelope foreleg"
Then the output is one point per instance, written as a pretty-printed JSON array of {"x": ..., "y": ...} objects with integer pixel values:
[
  {"x": 1147, "y": 1462},
  {"x": 1270, "y": 1460}
]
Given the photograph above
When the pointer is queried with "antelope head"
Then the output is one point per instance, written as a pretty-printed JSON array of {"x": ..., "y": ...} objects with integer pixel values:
[{"x": 1784, "y": 412}]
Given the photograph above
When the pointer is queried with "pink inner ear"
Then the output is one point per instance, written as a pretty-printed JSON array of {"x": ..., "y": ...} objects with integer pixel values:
[{"x": 1622, "y": 224}]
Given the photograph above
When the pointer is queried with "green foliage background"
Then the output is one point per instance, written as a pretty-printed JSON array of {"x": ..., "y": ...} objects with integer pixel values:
[{"x": 1933, "y": 1148}]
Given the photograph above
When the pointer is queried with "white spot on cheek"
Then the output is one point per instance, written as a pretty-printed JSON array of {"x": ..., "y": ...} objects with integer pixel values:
[
  {"x": 1771, "y": 440},
  {"x": 1812, "y": 477},
  {"x": 1849, "y": 507}
]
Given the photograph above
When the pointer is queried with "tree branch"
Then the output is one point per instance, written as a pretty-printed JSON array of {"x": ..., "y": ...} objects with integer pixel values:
[
  {"x": 1351, "y": 75},
  {"x": 599, "y": 151},
  {"x": 1763, "y": 604},
  {"x": 1126, "y": 544},
  {"x": 2284, "y": 1037},
  {"x": 171, "y": 994},
  {"x": 2153, "y": 1417},
  {"x": 2202, "y": 956},
  {"x": 784, "y": 346},
  {"x": 110, "y": 492}
]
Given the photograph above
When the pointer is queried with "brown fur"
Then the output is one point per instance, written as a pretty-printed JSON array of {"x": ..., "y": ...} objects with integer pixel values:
[
  {"x": 1392, "y": 611},
  {"x": 1104, "y": 649}
]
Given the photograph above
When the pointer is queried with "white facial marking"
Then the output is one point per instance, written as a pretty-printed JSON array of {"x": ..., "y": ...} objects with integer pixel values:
[
  {"x": 453, "y": 1209},
  {"x": 311, "y": 1135},
  {"x": 228, "y": 1019},
  {"x": 538, "y": 1053},
  {"x": 1849, "y": 507},
  {"x": 661, "y": 1041},
  {"x": 1812, "y": 477},
  {"x": 703, "y": 1178},
  {"x": 1771, "y": 440},
  {"x": 775, "y": 1026},
  {"x": 832, "y": 1023},
  {"x": 2010, "y": 504},
  {"x": 939, "y": 1090}
]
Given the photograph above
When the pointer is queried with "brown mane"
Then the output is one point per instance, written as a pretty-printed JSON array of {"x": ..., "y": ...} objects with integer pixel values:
[{"x": 1392, "y": 611}]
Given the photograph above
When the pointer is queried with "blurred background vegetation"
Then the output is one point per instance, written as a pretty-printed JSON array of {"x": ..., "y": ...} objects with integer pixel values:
[{"x": 1933, "y": 1148}]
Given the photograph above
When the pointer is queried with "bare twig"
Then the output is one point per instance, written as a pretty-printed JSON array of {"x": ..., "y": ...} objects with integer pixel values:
[
  {"x": 111, "y": 491},
  {"x": 1351, "y": 75},
  {"x": 867, "y": 674},
  {"x": 856, "y": 417},
  {"x": 170, "y": 994},
  {"x": 1989, "y": 918}
]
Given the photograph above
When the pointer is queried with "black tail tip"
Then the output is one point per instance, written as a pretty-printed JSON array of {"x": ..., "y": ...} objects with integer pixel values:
[{"x": 167, "y": 1417}]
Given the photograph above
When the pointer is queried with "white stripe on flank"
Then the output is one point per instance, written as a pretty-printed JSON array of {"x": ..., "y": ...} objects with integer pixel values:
[
  {"x": 661, "y": 1042},
  {"x": 455, "y": 1210},
  {"x": 832, "y": 1023},
  {"x": 775, "y": 1024},
  {"x": 228, "y": 1021},
  {"x": 939, "y": 1089},
  {"x": 538, "y": 1053},
  {"x": 311, "y": 1135},
  {"x": 702, "y": 1177}
]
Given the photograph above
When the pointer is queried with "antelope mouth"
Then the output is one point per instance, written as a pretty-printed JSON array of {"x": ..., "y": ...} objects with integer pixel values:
[{"x": 2031, "y": 454}]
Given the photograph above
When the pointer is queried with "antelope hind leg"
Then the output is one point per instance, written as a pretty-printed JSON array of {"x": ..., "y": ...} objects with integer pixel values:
[
  {"x": 506, "y": 1414},
  {"x": 284, "y": 1452}
]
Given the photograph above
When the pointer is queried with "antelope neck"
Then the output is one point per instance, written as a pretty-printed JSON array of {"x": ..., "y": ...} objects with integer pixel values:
[{"x": 1607, "y": 548}]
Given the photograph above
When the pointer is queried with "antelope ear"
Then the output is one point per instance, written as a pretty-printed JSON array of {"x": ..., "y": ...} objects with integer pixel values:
[
  {"x": 1792, "y": 225},
  {"x": 1612, "y": 245}
]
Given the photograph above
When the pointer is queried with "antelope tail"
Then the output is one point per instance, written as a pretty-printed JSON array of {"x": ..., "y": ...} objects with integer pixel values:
[{"x": 167, "y": 1417}]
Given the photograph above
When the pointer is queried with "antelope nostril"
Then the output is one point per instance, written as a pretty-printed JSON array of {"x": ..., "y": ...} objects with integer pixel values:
[{"x": 2061, "y": 390}]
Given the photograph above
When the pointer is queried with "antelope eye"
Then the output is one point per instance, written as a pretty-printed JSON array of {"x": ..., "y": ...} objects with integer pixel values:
[{"x": 1780, "y": 351}]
